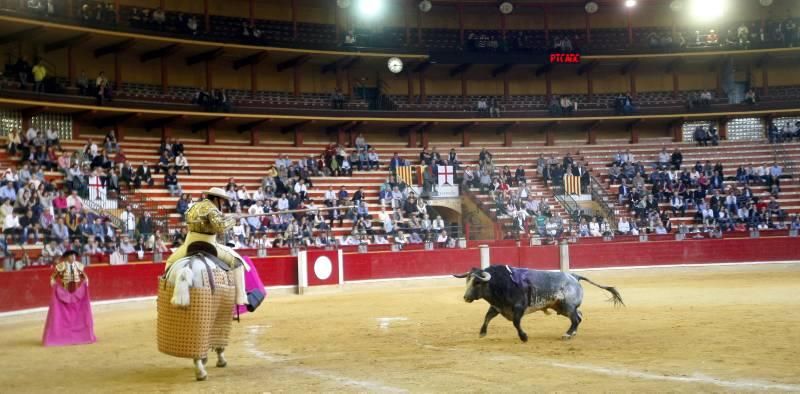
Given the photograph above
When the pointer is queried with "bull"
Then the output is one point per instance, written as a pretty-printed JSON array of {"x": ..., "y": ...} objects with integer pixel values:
[{"x": 515, "y": 292}]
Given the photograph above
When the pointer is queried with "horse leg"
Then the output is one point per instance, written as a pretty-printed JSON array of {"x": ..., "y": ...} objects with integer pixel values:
[
  {"x": 200, "y": 369},
  {"x": 221, "y": 361}
]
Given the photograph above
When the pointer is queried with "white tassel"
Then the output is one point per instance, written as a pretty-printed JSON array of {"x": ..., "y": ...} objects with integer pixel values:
[{"x": 180, "y": 295}]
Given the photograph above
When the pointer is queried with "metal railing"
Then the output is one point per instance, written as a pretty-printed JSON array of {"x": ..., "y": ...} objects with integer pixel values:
[
  {"x": 566, "y": 201},
  {"x": 603, "y": 201},
  {"x": 781, "y": 155}
]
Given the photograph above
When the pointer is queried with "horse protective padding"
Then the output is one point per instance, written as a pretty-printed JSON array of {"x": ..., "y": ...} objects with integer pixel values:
[{"x": 205, "y": 324}]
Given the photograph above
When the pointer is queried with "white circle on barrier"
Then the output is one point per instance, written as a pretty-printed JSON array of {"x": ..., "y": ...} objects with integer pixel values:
[{"x": 323, "y": 267}]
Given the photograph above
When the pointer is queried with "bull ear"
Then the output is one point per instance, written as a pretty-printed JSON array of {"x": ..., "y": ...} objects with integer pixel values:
[{"x": 464, "y": 275}]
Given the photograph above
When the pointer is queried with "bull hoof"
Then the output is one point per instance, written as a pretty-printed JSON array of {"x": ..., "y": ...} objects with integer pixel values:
[
  {"x": 482, "y": 334},
  {"x": 567, "y": 337},
  {"x": 523, "y": 337}
]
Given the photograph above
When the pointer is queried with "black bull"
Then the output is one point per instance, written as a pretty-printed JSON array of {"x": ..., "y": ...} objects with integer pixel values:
[{"x": 515, "y": 292}]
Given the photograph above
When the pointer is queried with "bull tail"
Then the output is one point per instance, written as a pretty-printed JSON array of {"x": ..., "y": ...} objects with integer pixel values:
[{"x": 615, "y": 297}]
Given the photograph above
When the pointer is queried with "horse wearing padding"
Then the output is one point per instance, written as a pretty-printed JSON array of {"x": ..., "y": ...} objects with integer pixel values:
[{"x": 195, "y": 299}]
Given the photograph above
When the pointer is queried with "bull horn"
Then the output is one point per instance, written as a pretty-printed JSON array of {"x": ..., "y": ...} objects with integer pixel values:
[
  {"x": 464, "y": 275},
  {"x": 483, "y": 276}
]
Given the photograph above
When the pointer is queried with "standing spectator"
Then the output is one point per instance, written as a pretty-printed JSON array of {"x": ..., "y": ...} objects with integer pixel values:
[
  {"x": 145, "y": 225},
  {"x": 101, "y": 86},
  {"x": 39, "y": 74},
  {"x": 128, "y": 220}
]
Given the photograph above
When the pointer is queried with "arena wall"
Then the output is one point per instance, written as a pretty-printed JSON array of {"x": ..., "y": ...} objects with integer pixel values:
[{"x": 29, "y": 288}]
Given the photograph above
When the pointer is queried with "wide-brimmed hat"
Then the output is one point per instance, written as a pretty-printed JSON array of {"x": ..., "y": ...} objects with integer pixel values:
[{"x": 217, "y": 192}]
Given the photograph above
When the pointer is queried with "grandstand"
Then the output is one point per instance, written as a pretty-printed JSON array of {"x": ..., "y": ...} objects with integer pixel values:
[{"x": 386, "y": 145}]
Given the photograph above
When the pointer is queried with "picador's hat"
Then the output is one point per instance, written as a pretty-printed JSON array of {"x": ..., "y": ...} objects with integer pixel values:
[{"x": 217, "y": 192}]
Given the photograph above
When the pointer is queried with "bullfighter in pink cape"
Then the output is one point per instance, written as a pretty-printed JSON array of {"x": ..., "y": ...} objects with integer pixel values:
[{"x": 69, "y": 318}]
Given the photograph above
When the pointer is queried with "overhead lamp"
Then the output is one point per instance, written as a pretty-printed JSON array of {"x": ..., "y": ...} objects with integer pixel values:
[
  {"x": 591, "y": 7},
  {"x": 707, "y": 10},
  {"x": 371, "y": 8},
  {"x": 630, "y": 3},
  {"x": 425, "y": 5}
]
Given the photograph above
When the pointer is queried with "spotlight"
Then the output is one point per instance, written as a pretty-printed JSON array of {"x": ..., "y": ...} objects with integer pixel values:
[
  {"x": 370, "y": 8},
  {"x": 630, "y": 3},
  {"x": 706, "y": 10}
]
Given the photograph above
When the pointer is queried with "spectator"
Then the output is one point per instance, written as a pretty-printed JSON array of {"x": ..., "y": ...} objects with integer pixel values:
[
  {"x": 143, "y": 174},
  {"x": 103, "y": 88},
  {"x": 171, "y": 182},
  {"x": 750, "y": 97},
  {"x": 39, "y": 72},
  {"x": 191, "y": 24}
]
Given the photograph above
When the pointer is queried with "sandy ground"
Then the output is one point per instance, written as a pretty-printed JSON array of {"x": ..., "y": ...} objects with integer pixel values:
[{"x": 683, "y": 330}]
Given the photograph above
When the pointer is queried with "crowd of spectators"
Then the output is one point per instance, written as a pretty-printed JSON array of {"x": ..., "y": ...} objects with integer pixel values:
[
  {"x": 745, "y": 35},
  {"x": 488, "y": 107},
  {"x": 215, "y": 100},
  {"x": 666, "y": 189},
  {"x": 783, "y": 133},
  {"x": 282, "y": 212},
  {"x": 39, "y": 214}
]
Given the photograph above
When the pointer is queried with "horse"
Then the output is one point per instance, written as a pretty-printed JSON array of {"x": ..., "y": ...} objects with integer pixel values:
[{"x": 196, "y": 294}]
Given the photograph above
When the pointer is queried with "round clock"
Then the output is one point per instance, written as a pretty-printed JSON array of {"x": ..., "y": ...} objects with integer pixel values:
[
  {"x": 591, "y": 7},
  {"x": 343, "y": 3},
  {"x": 395, "y": 65},
  {"x": 506, "y": 8},
  {"x": 425, "y": 5}
]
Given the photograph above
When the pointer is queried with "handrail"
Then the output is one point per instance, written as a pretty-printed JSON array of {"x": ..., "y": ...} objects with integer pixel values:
[
  {"x": 782, "y": 156},
  {"x": 602, "y": 199},
  {"x": 566, "y": 201}
]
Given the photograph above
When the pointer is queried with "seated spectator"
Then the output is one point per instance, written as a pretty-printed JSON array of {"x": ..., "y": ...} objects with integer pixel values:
[
  {"x": 143, "y": 174},
  {"x": 171, "y": 182},
  {"x": 700, "y": 136},
  {"x": 182, "y": 163}
]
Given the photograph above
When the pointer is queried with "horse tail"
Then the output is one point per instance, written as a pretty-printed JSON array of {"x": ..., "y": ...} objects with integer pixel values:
[
  {"x": 180, "y": 295},
  {"x": 615, "y": 297}
]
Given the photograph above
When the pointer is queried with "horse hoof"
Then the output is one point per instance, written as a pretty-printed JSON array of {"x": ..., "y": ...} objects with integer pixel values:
[
  {"x": 202, "y": 377},
  {"x": 222, "y": 364},
  {"x": 483, "y": 334},
  {"x": 567, "y": 337}
]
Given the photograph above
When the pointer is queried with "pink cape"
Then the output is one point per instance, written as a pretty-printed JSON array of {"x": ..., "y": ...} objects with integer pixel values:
[
  {"x": 251, "y": 282},
  {"x": 69, "y": 319}
]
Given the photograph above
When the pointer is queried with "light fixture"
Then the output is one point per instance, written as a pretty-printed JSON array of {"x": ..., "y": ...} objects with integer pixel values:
[
  {"x": 676, "y": 5},
  {"x": 371, "y": 8},
  {"x": 343, "y": 3},
  {"x": 591, "y": 7},
  {"x": 765, "y": 3},
  {"x": 707, "y": 10},
  {"x": 395, "y": 65},
  {"x": 630, "y": 3},
  {"x": 425, "y": 5},
  {"x": 506, "y": 8}
]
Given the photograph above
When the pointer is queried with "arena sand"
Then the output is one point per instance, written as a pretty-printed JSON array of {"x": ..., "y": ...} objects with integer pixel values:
[{"x": 728, "y": 328}]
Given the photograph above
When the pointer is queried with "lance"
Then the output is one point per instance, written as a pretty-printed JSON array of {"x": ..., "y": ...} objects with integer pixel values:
[{"x": 292, "y": 211}]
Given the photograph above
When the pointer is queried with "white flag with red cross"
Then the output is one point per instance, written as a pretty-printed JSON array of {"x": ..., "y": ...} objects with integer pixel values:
[{"x": 445, "y": 175}]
